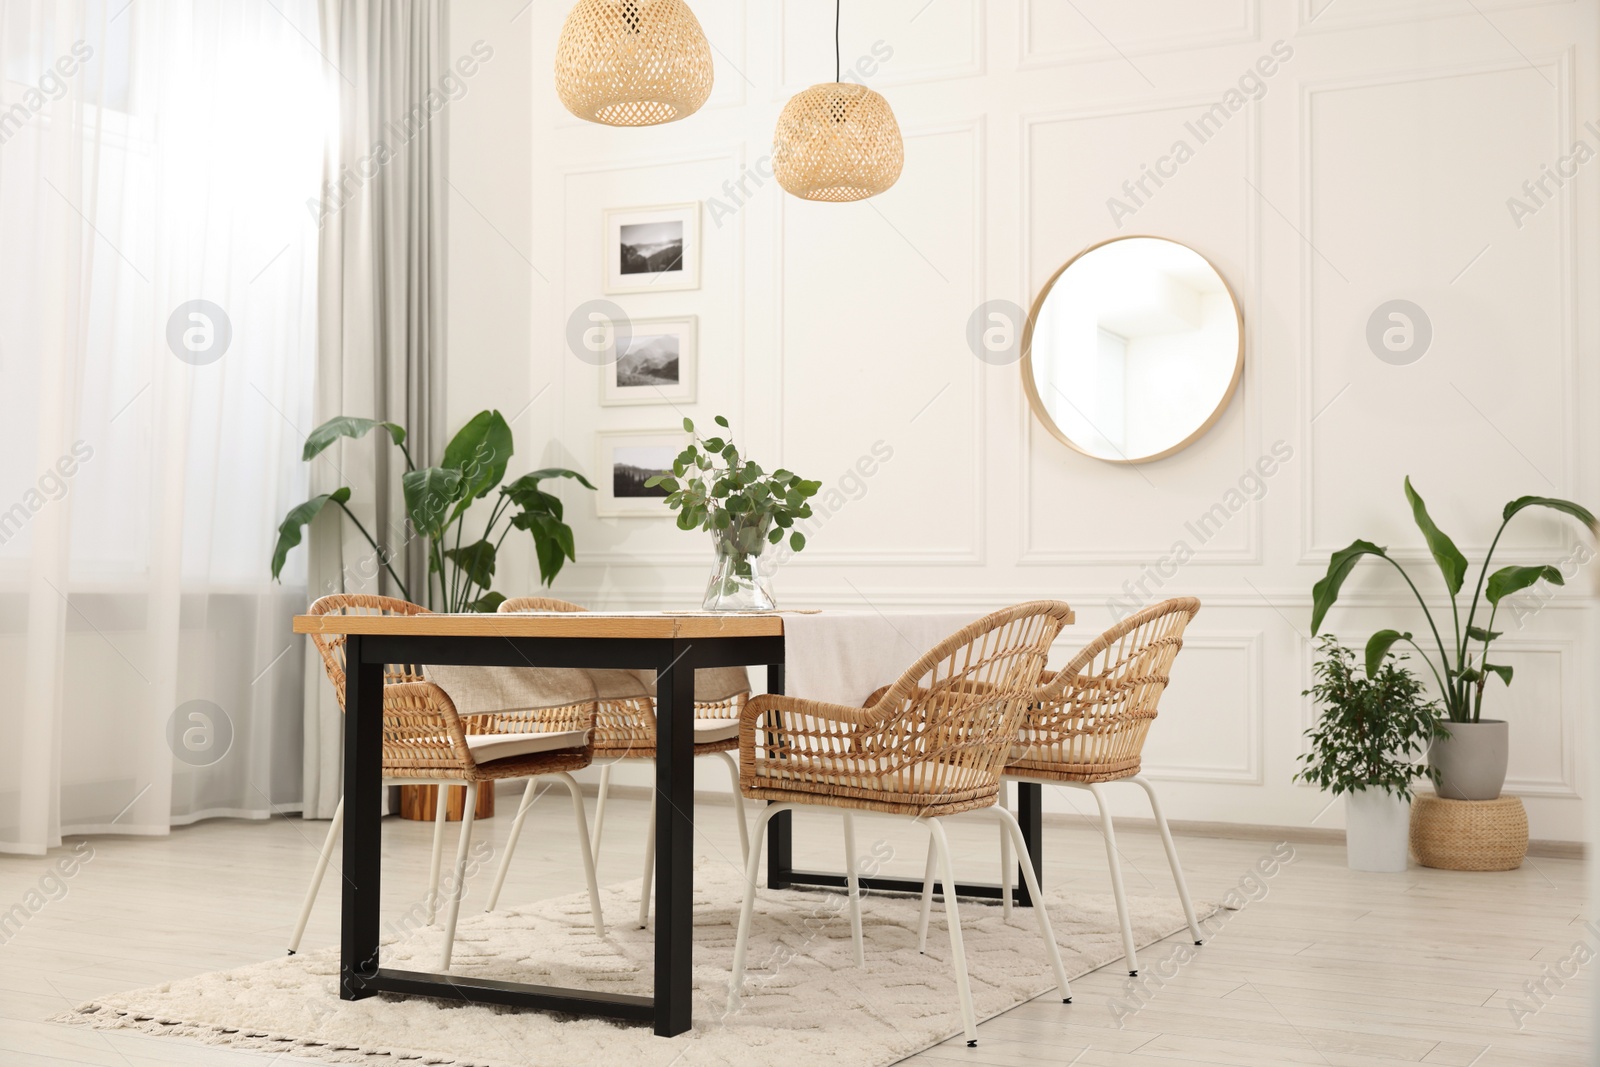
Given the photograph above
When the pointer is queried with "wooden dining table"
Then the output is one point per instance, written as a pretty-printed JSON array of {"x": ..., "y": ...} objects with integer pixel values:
[{"x": 672, "y": 645}]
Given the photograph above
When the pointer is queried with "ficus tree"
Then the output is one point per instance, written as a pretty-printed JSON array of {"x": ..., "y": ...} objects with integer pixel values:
[
  {"x": 1462, "y": 668},
  {"x": 437, "y": 499}
]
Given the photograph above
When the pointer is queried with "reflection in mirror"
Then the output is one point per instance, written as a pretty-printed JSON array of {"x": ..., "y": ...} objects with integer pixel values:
[{"x": 1133, "y": 349}]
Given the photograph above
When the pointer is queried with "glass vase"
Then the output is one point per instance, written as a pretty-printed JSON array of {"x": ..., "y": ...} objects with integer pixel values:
[{"x": 741, "y": 577}]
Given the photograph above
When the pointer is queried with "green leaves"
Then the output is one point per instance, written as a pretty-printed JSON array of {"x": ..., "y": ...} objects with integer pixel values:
[
  {"x": 480, "y": 450},
  {"x": 476, "y": 561},
  {"x": 1452, "y": 564},
  {"x": 541, "y": 516},
  {"x": 1378, "y": 646},
  {"x": 1371, "y": 728},
  {"x": 1340, "y": 564},
  {"x": 429, "y": 493},
  {"x": 1503, "y": 672},
  {"x": 1478, "y": 633},
  {"x": 298, "y": 518},
  {"x": 346, "y": 426},
  {"x": 1508, "y": 580},
  {"x": 1577, "y": 511},
  {"x": 714, "y": 487},
  {"x": 488, "y": 603}
]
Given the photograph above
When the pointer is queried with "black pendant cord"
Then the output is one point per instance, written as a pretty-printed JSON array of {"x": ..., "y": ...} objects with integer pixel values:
[{"x": 836, "y": 4}]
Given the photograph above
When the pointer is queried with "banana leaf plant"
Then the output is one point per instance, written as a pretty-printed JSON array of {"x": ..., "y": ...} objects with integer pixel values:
[
  {"x": 437, "y": 500},
  {"x": 1462, "y": 668}
]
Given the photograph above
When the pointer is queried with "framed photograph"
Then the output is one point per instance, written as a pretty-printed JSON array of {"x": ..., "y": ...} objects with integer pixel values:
[
  {"x": 627, "y": 459},
  {"x": 652, "y": 249},
  {"x": 659, "y": 366}
]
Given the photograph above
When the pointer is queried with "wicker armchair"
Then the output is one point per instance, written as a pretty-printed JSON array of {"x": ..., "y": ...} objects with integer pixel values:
[
  {"x": 932, "y": 744},
  {"x": 625, "y": 728},
  {"x": 425, "y": 742},
  {"x": 1094, "y": 733}
]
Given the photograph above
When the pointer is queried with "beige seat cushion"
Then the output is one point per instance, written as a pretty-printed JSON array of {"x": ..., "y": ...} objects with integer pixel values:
[
  {"x": 709, "y": 730},
  {"x": 488, "y": 747}
]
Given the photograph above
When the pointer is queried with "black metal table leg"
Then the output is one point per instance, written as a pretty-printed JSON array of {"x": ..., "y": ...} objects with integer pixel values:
[
  {"x": 363, "y": 780},
  {"x": 674, "y": 843},
  {"x": 1030, "y": 803},
  {"x": 780, "y": 828}
]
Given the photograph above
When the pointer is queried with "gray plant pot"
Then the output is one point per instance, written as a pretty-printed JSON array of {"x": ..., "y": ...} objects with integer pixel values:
[{"x": 1472, "y": 760}]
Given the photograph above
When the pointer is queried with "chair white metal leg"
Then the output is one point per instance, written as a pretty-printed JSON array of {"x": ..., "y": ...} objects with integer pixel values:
[
  {"x": 927, "y": 899},
  {"x": 1110, "y": 835},
  {"x": 316, "y": 876},
  {"x": 1172, "y": 857},
  {"x": 439, "y": 820},
  {"x": 600, "y": 810},
  {"x": 738, "y": 803},
  {"x": 1006, "y": 866},
  {"x": 649, "y": 865},
  {"x": 1009, "y": 827},
  {"x": 952, "y": 918},
  {"x": 752, "y": 871},
  {"x": 458, "y": 886},
  {"x": 529, "y": 795},
  {"x": 853, "y": 887},
  {"x": 583, "y": 846}
]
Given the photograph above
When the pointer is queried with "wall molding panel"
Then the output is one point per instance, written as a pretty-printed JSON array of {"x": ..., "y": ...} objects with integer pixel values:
[{"x": 1374, "y": 164}]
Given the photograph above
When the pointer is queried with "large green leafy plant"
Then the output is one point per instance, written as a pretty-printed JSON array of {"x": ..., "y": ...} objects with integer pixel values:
[
  {"x": 437, "y": 500},
  {"x": 1463, "y": 669},
  {"x": 1370, "y": 726},
  {"x": 713, "y": 487}
]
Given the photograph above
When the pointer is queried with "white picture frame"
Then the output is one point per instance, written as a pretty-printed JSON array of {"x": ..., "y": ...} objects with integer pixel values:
[
  {"x": 624, "y": 459},
  {"x": 638, "y": 240},
  {"x": 661, "y": 363}
]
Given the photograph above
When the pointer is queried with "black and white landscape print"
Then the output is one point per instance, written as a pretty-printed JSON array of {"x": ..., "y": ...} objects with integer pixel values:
[
  {"x": 651, "y": 362},
  {"x": 651, "y": 247},
  {"x": 658, "y": 363},
  {"x": 633, "y": 465}
]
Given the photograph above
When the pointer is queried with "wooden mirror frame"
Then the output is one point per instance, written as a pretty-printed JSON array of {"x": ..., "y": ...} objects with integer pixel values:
[{"x": 1042, "y": 413}]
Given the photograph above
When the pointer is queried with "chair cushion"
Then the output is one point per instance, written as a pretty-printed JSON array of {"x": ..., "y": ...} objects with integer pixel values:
[
  {"x": 487, "y": 747},
  {"x": 708, "y": 730}
]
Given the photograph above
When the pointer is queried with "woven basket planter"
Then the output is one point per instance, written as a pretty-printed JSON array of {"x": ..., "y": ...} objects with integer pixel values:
[{"x": 1469, "y": 835}]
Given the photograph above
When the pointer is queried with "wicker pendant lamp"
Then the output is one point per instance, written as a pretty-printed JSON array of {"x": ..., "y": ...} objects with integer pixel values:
[
  {"x": 632, "y": 62},
  {"x": 837, "y": 141}
]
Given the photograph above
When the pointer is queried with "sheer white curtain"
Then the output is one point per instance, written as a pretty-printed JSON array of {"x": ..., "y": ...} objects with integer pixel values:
[{"x": 153, "y": 154}]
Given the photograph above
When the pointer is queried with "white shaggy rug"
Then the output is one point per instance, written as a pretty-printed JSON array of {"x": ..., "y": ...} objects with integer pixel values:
[{"x": 804, "y": 1000}]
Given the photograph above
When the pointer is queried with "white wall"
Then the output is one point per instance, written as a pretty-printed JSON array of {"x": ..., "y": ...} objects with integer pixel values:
[{"x": 1376, "y": 165}]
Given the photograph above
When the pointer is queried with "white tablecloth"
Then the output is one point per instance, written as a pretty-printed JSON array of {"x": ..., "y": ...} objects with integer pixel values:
[{"x": 841, "y": 657}]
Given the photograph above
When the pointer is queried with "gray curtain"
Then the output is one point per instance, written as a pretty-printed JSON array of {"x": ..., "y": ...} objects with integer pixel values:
[{"x": 381, "y": 313}]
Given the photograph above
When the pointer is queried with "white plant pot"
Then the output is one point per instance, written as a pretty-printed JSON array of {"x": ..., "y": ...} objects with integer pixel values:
[{"x": 1377, "y": 827}]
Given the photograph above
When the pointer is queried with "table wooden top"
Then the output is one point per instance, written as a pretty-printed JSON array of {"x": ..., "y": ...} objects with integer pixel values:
[{"x": 646, "y": 624}]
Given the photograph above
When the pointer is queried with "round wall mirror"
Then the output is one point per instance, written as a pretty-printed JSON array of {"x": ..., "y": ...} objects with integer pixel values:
[{"x": 1133, "y": 349}]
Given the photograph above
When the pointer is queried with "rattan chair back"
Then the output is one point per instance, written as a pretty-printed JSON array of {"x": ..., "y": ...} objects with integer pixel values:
[
  {"x": 934, "y": 742},
  {"x": 1095, "y": 729},
  {"x": 332, "y": 646}
]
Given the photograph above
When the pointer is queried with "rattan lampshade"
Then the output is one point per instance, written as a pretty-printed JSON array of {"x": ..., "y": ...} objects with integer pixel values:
[
  {"x": 632, "y": 62},
  {"x": 837, "y": 141}
]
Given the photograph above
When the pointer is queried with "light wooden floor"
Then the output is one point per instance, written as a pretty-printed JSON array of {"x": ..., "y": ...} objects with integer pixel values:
[{"x": 1326, "y": 966}]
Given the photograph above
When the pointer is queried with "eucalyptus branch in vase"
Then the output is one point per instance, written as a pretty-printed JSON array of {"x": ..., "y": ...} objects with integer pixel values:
[{"x": 714, "y": 487}]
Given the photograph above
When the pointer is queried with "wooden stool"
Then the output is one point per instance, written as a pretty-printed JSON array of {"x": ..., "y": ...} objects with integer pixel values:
[{"x": 1469, "y": 835}]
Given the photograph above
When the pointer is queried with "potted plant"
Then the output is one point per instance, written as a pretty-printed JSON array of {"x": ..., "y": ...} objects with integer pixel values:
[
  {"x": 713, "y": 487},
  {"x": 1471, "y": 759},
  {"x": 1363, "y": 747},
  {"x": 437, "y": 500}
]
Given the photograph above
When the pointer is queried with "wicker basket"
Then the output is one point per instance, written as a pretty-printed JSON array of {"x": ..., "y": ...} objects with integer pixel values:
[{"x": 1469, "y": 835}]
